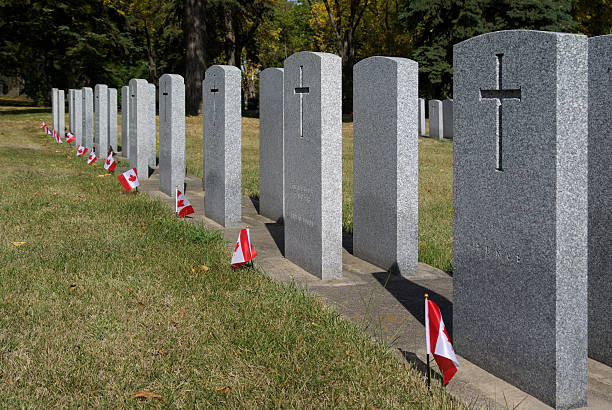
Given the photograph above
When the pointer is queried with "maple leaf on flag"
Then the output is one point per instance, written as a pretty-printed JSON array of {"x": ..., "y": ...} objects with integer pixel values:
[
  {"x": 129, "y": 179},
  {"x": 180, "y": 203},
  {"x": 108, "y": 162},
  {"x": 132, "y": 178},
  {"x": 183, "y": 207}
]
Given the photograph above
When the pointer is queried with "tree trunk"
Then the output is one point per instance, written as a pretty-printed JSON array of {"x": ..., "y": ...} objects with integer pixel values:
[
  {"x": 195, "y": 61},
  {"x": 230, "y": 50},
  {"x": 152, "y": 57}
]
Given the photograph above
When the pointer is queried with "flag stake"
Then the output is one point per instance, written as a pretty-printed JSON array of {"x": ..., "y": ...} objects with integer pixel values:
[
  {"x": 176, "y": 200},
  {"x": 428, "y": 368}
]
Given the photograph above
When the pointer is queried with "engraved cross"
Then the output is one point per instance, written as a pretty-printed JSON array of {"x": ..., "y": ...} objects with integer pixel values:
[
  {"x": 499, "y": 96},
  {"x": 301, "y": 90},
  {"x": 214, "y": 90}
]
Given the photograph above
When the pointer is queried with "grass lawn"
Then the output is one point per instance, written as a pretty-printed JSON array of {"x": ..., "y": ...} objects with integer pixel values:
[{"x": 102, "y": 296}]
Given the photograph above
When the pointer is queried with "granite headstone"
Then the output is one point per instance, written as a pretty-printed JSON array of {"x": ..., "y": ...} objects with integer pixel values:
[
  {"x": 61, "y": 114},
  {"x": 88, "y": 131},
  {"x": 54, "y": 109},
  {"x": 385, "y": 158},
  {"x": 141, "y": 126},
  {"x": 152, "y": 136},
  {"x": 520, "y": 210},
  {"x": 101, "y": 120},
  {"x": 271, "y": 156},
  {"x": 125, "y": 121},
  {"x": 78, "y": 116},
  {"x": 600, "y": 198},
  {"x": 447, "y": 118},
  {"x": 171, "y": 133},
  {"x": 313, "y": 162},
  {"x": 421, "y": 117},
  {"x": 112, "y": 119},
  {"x": 221, "y": 102},
  {"x": 436, "y": 122}
]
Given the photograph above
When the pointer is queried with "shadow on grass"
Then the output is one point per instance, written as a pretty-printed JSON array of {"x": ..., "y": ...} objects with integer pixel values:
[
  {"x": 420, "y": 365},
  {"x": 28, "y": 111}
]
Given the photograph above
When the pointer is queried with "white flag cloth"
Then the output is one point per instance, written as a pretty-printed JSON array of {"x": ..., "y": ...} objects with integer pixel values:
[
  {"x": 129, "y": 179},
  {"x": 244, "y": 250},
  {"x": 92, "y": 158},
  {"x": 438, "y": 342}
]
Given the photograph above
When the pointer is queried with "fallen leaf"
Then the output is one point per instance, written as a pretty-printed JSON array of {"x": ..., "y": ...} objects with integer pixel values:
[
  {"x": 75, "y": 200},
  {"x": 139, "y": 303},
  {"x": 203, "y": 267},
  {"x": 73, "y": 286},
  {"x": 182, "y": 313},
  {"x": 160, "y": 352},
  {"x": 146, "y": 395},
  {"x": 175, "y": 323},
  {"x": 225, "y": 390},
  {"x": 103, "y": 175},
  {"x": 16, "y": 244}
]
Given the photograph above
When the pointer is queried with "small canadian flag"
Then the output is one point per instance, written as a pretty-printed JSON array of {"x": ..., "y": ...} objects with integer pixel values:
[
  {"x": 43, "y": 125},
  {"x": 183, "y": 207},
  {"x": 81, "y": 150},
  {"x": 438, "y": 342},
  {"x": 92, "y": 158},
  {"x": 58, "y": 139},
  {"x": 48, "y": 131},
  {"x": 70, "y": 137},
  {"x": 244, "y": 251},
  {"x": 110, "y": 163},
  {"x": 129, "y": 179}
]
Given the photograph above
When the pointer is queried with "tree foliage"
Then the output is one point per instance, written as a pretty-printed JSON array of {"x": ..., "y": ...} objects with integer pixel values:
[{"x": 75, "y": 43}]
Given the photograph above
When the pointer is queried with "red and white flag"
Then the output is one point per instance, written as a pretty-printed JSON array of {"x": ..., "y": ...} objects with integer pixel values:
[
  {"x": 110, "y": 163},
  {"x": 70, "y": 137},
  {"x": 244, "y": 251},
  {"x": 182, "y": 206},
  {"x": 57, "y": 137},
  {"x": 81, "y": 150},
  {"x": 129, "y": 179},
  {"x": 43, "y": 125},
  {"x": 48, "y": 131},
  {"x": 438, "y": 342},
  {"x": 92, "y": 158}
]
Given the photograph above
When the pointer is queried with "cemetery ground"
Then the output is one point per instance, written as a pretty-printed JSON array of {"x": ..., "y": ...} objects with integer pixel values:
[{"x": 105, "y": 294}]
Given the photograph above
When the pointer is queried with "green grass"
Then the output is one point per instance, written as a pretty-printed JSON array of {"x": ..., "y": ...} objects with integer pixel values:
[{"x": 103, "y": 301}]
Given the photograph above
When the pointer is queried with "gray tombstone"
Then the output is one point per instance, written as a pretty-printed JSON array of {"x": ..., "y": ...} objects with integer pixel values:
[
  {"x": 271, "y": 156},
  {"x": 71, "y": 110},
  {"x": 600, "y": 198},
  {"x": 78, "y": 116},
  {"x": 152, "y": 136},
  {"x": 520, "y": 210},
  {"x": 112, "y": 119},
  {"x": 125, "y": 121},
  {"x": 221, "y": 102},
  {"x": 436, "y": 124},
  {"x": 87, "y": 99},
  {"x": 54, "y": 108},
  {"x": 141, "y": 126},
  {"x": 61, "y": 115},
  {"x": 447, "y": 118},
  {"x": 421, "y": 117},
  {"x": 385, "y": 158},
  {"x": 101, "y": 119},
  {"x": 171, "y": 133},
  {"x": 313, "y": 162}
]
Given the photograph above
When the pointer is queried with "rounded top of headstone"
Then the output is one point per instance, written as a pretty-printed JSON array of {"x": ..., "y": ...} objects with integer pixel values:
[
  {"x": 273, "y": 69},
  {"x": 100, "y": 86},
  {"x": 601, "y": 39},
  {"x": 517, "y": 36},
  {"x": 135, "y": 82},
  {"x": 394, "y": 61},
  {"x": 171, "y": 78},
  {"x": 222, "y": 68},
  {"x": 311, "y": 56}
]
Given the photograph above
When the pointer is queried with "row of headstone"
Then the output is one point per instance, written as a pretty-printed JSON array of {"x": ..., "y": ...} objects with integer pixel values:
[
  {"x": 521, "y": 208},
  {"x": 520, "y": 191}
]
